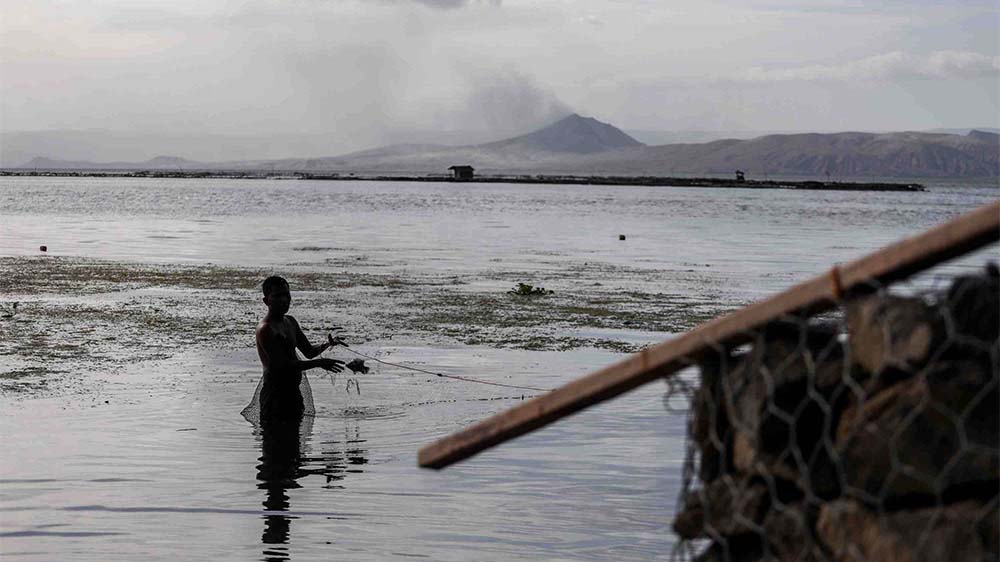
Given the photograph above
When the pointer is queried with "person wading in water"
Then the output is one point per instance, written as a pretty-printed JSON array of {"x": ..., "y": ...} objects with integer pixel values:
[{"x": 278, "y": 336}]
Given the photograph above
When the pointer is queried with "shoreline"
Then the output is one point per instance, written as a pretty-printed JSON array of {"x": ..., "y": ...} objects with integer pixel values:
[{"x": 541, "y": 179}]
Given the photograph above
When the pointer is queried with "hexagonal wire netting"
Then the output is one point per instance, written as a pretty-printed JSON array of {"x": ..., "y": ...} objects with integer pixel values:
[{"x": 865, "y": 434}]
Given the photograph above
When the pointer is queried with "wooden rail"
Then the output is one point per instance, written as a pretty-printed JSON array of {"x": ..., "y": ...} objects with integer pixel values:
[{"x": 897, "y": 261}]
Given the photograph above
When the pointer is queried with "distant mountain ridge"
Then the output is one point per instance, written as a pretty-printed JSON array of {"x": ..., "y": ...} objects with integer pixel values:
[
  {"x": 584, "y": 145},
  {"x": 906, "y": 154},
  {"x": 573, "y": 134},
  {"x": 157, "y": 163}
]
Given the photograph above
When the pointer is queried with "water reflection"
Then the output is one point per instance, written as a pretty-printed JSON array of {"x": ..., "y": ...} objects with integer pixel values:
[{"x": 286, "y": 457}]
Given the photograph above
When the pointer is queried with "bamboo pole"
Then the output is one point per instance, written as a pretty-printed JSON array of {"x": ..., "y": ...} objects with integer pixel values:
[{"x": 897, "y": 261}]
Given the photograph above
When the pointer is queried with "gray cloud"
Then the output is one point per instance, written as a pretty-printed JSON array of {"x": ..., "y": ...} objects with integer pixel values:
[
  {"x": 448, "y": 4},
  {"x": 355, "y": 73},
  {"x": 888, "y": 66}
]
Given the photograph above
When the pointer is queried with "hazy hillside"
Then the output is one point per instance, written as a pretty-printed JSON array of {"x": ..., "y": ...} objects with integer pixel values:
[
  {"x": 157, "y": 163},
  {"x": 566, "y": 147},
  {"x": 574, "y": 134},
  {"x": 18, "y": 147},
  {"x": 838, "y": 154},
  {"x": 583, "y": 145}
]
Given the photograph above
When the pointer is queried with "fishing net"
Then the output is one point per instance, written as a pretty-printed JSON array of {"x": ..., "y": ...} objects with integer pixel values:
[
  {"x": 867, "y": 434},
  {"x": 252, "y": 410}
]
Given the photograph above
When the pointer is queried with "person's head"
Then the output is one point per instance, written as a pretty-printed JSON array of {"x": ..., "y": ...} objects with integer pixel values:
[{"x": 277, "y": 295}]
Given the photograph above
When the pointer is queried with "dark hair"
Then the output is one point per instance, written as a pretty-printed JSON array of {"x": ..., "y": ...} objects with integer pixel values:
[{"x": 273, "y": 282}]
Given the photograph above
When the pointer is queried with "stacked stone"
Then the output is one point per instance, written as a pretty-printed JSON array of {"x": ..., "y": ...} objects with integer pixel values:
[{"x": 875, "y": 446}]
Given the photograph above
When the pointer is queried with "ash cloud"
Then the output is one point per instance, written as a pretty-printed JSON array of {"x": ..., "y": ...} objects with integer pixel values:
[{"x": 510, "y": 102}]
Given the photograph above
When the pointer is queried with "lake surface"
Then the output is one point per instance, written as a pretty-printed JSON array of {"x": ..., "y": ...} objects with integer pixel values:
[{"x": 126, "y": 366}]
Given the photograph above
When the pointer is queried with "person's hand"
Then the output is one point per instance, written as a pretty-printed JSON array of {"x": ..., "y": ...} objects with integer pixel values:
[
  {"x": 334, "y": 341},
  {"x": 332, "y": 365}
]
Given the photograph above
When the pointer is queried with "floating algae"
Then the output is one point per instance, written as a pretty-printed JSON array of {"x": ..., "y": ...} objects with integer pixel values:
[{"x": 102, "y": 315}]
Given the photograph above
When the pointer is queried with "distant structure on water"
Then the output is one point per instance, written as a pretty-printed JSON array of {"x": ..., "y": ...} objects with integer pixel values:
[
  {"x": 462, "y": 172},
  {"x": 740, "y": 176}
]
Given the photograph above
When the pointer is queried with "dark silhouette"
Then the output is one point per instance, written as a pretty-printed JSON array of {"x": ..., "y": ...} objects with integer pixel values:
[
  {"x": 278, "y": 336},
  {"x": 282, "y": 414},
  {"x": 285, "y": 458},
  {"x": 462, "y": 172},
  {"x": 280, "y": 462}
]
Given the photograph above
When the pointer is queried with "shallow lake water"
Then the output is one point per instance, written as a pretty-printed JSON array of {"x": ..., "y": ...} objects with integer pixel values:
[{"x": 121, "y": 432}]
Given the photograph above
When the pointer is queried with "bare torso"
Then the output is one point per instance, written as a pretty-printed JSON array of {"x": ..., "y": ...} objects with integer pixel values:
[{"x": 280, "y": 397}]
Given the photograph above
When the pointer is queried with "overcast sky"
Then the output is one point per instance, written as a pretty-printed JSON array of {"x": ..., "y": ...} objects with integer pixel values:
[{"x": 364, "y": 68}]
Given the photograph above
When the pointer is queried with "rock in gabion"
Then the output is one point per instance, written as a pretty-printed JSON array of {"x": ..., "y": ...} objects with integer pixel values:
[{"x": 878, "y": 440}]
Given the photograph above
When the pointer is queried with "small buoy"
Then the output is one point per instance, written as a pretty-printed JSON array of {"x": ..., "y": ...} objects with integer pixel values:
[
  {"x": 621, "y": 236},
  {"x": 43, "y": 248}
]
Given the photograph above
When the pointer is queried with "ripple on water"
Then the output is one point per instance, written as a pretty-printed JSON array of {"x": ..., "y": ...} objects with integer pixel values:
[{"x": 152, "y": 457}]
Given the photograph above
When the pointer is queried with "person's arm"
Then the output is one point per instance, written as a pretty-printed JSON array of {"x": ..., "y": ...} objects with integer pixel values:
[
  {"x": 307, "y": 348},
  {"x": 271, "y": 355},
  {"x": 302, "y": 342}
]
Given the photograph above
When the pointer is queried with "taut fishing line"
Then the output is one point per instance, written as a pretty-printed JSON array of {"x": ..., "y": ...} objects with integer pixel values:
[{"x": 456, "y": 377}]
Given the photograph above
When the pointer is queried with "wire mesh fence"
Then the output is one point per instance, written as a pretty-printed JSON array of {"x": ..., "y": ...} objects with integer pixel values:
[{"x": 865, "y": 434}]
